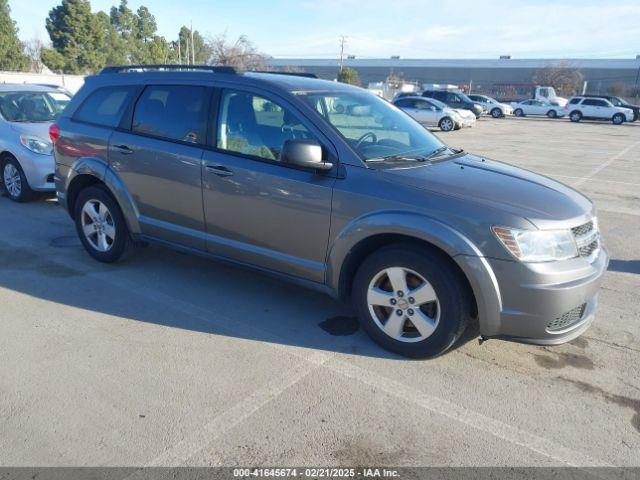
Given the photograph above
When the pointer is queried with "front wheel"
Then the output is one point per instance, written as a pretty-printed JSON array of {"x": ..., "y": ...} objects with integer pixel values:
[
  {"x": 618, "y": 119},
  {"x": 411, "y": 301},
  {"x": 446, "y": 124},
  {"x": 14, "y": 181},
  {"x": 496, "y": 113},
  {"x": 101, "y": 225}
]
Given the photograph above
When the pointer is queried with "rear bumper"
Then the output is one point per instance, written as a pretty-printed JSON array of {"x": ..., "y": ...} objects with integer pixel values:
[{"x": 547, "y": 304}]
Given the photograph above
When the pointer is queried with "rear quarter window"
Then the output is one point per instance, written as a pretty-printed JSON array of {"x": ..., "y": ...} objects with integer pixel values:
[{"x": 105, "y": 106}]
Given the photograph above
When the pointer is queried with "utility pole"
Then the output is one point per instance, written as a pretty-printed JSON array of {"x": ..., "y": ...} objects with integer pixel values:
[
  {"x": 193, "y": 47},
  {"x": 188, "y": 56},
  {"x": 179, "y": 51},
  {"x": 343, "y": 41}
]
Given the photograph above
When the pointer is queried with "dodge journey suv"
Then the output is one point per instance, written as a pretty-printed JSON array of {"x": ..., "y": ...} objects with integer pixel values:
[{"x": 262, "y": 170}]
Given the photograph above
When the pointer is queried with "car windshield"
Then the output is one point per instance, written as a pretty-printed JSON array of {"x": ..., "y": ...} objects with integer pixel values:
[
  {"x": 32, "y": 106},
  {"x": 373, "y": 127}
]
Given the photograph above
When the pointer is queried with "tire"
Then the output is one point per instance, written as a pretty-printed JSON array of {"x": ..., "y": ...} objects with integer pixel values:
[
  {"x": 618, "y": 119},
  {"x": 446, "y": 124},
  {"x": 14, "y": 182},
  {"x": 442, "y": 321},
  {"x": 518, "y": 112},
  {"x": 552, "y": 114},
  {"x": 117, "y": 241},
  {"x": 575, "y": 116},
  {"x": 496, "y": 113}
]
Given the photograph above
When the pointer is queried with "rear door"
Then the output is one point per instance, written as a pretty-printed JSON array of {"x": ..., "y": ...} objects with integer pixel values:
[
  {"x": 159, "y": 160},
  {"x": 590, "y": 107}
]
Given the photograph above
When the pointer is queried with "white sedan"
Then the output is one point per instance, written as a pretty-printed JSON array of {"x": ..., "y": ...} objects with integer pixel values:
[
  {"x": 431, "y": 113},
  {"x": 492, "y": 106},
  {"x": 537, "y": 107}
]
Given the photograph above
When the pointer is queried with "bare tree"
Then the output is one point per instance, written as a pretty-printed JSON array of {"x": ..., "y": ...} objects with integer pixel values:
[
  {"x": 241, "y": 54},
  {"x": 563, "y": 76},
  {"x": 33, "y": 49}
]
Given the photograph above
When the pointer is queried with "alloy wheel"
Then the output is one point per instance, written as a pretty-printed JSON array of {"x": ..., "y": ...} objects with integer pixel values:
[
  {"x": 98, "y": 225},
  {"x": 446, "y": 125},
  {"x": 12, "y": 181},
  {"x": 403, "y": 304}
]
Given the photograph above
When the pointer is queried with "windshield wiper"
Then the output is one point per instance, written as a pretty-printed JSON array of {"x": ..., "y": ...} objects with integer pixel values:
[{"x": 436, "y": 152}]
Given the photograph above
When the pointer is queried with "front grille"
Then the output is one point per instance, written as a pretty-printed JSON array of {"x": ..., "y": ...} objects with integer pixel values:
[
  {"x": 587, "y": 239},
  {"x": 567, "y": 319},
  {"x": 582, "y": 229}
]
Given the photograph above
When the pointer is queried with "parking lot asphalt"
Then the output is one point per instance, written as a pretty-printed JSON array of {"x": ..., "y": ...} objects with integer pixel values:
[{"x": 169, "y": 359}]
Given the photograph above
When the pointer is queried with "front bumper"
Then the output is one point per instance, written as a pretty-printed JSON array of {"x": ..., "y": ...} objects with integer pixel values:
[
  {"x": 547, "y": 303},
  {"x": 39, "y": 169}
]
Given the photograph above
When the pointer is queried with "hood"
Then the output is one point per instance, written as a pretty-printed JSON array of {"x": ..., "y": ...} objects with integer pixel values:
[
  {"x": 37, "y": 129},
  {"x": 537, "y": 198}
]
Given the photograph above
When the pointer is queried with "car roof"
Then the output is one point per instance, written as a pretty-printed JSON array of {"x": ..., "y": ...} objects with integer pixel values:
[{"x": 27, "y": 87}]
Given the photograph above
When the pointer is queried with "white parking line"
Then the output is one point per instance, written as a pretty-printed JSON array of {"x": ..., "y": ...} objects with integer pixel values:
[
  {"x": 598, "y": 169},
  {"x": 599, "y": 180}
]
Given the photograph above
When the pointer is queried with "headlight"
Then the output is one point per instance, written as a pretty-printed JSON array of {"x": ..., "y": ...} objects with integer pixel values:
[
  {"x": 36, "y": 144},
  {"x": 537, "y": 245}
]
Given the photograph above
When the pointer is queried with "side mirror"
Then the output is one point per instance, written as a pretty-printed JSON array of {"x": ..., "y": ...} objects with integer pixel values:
[{"x": 304, "y": 153}]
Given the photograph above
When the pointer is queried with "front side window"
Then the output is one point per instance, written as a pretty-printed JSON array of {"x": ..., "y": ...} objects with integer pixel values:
[
  {"x": 174, "y": 112},
  {"x": 105, "y": 106},
  {"x": 373, "y": 127},
  {"x": 453, "y": 98},
  {"x": 255, "y": 126},
  {"x": 590, "y": 102},
  {"x": 32, "y": 106}
]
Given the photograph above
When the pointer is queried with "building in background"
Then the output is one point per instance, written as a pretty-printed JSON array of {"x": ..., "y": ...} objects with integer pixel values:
[{"x": 505, "y": 78}]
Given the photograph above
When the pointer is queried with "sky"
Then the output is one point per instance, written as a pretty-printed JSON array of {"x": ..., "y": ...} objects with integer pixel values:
[{"x": 382, "y": 28}]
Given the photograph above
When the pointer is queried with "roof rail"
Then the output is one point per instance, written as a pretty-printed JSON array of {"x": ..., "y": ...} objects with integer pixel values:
[
  {"x": 161, "y": 68},
  {"x": 295, "y": 74}
]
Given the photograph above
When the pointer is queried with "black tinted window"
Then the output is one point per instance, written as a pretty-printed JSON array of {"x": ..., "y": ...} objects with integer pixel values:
[
  {"x": 175, "y": 112},
  {"x": 105, "y": 106},
  {"x": 405, "y": 103},
  {"x": 573, "y": 101},
  {"x": 593, "y": 102}
]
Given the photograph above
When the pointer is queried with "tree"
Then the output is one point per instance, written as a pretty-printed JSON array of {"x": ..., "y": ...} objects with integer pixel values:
[
  {"x": 562, "y": 76},
  {"x": 241, "y": 54},
  {"x": 115, "y": 47},
  {"x": 33, "y": 50},
  {"x": 348, "y": 75},
  {"x": 11, "y": 54},
  {"x": 77, "y": 36}
]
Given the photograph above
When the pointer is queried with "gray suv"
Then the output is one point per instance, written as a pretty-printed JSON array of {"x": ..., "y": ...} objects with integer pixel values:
[{"x": 265, "y": 170}]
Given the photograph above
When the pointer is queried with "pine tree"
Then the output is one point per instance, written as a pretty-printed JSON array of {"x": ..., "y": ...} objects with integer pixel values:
[
  {"x": 12, "y": 56},
  {"x": 77, "y": 36}
]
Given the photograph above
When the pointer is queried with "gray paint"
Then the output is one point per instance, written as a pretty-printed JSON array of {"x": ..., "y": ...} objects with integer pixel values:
[{"x": 303, "y": 224}]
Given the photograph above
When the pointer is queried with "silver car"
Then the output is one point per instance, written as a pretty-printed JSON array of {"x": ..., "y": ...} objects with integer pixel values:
[
  {"x": 258, "y": 169},
  {"x": 26, "y": 156}
]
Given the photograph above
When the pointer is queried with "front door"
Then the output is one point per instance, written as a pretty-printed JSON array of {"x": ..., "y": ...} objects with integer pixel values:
[
  {"x": 159, "y": 161},
  {"x": 257, "y": 210}
]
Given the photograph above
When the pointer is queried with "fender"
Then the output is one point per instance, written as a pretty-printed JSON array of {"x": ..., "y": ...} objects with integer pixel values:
[
  {"x": 99, "y": 169},
  {"x": 462, "y": 250}
]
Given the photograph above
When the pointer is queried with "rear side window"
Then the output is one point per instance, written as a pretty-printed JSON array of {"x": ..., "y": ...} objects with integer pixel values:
[
  {"x": 594, "y": 102},
  {"x": 574, "y": 101},
  {"x": 174, "y": 112},
  {"x": 105, "y": 106}
]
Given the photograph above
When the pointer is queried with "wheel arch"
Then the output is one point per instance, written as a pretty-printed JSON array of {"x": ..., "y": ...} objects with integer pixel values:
[{"x": 361, "y": 239}]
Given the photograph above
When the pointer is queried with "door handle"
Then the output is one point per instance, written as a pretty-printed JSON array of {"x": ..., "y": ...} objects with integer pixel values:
[
  {"x": 123, "y": 149},
  {"x": 219, "y": 170}
]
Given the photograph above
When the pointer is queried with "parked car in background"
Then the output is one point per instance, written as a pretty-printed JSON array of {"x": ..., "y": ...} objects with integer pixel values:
[
  {"x": 580, "y": 107},
  {"x": 432, "y": 113},
  {"x": 257, "y": 169},
  {"x": 455, "y": 100},
  {"x": 537, "y": 107},
  {"x": 619, "y": 102},
  {"x": 26, "y": 159},
  {"x": 492, "y": 106},
  {"x": 549, "y": 95}
]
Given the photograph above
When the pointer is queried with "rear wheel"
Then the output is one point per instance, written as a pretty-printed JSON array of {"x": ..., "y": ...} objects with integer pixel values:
[
  {"x": 496, "y": 113},
  {"x": 618, "y": 119},
  {"x": 411, "y": 301},
  {"x": 518, "y": 112},
  {"x": 575, "y": 116},
  {"x": 14, "y": 181},
  {"x": 446, "y": 124},
  {"x": 552, "y": 114},
  {"x": 101, "y": 225}
]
